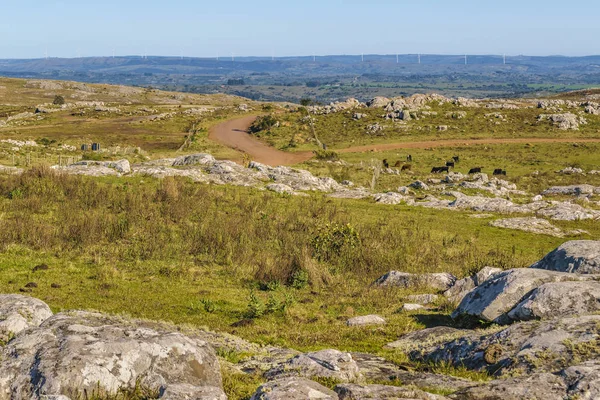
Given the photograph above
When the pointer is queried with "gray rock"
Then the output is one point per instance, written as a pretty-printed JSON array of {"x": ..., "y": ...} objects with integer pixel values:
[
  {"x": 539, "y": 386},
  {"x": 324, "y": 364},
  {"x": 419, "y": 185},
  {"x": 568, "y": 212},
  {"x": 122, "y": 166},
  {"x": 559, "y": 299},
  {"x": 462, "y": 287},
  {"x": 382, "y": 392},
  {"x": 378, "y": 102},
  {"x": 77, "y": 351},
  {"x": 366, "y": 320},
  {"x": 439, "y": 281},
  {"x": 412, "y": 307},
  {"x": 426, "y": 338},
  {"x": 493, "y": 299},
  {"x": 18, "y": 313},
  {"x": 391, "y": 198},
  {"x": 576, "y": 256},
  {"x": 293, "y": 388},
  {"x": 194, "y": 159},
  {"x": 583, "y": 380}
]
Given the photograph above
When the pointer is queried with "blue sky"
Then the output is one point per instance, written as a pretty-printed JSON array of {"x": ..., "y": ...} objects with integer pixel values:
[{"x": 68, "y": 28}]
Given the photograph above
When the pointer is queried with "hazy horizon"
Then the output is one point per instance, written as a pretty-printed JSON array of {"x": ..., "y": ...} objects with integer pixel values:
[{"x": 68, "y": 29}]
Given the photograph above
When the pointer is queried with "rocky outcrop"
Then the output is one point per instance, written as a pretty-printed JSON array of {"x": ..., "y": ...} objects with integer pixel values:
[
  {"x": 573, "y": 190},
  {"x": 566, "y": 121},
  {"x": 293, "y": 388},
  {"x": 194, "y": 159},
  {"x": 437, "y": 281},
  {"x": 576, "y": 256},
  {"x": 525, "y": 347},
  {"x": 79, "y": 351},
  {"x": 539, "y": 386}
]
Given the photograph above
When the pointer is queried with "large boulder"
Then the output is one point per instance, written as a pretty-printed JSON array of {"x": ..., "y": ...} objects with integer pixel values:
[
  {"x": 382, "y": 392},
  {"x": 18, "y": 313},
  {"x": 323, "y": 364},
  {"x": 492, "y": 300},
  {"x": 439, "y": 281},
  {"x": 293, "y": 388},
  {"x": 71, "y": 353},
  {"x": 583, "y": 380},
  {"x": 559, "y": 299},
  {"x": 576, "y": 256}
]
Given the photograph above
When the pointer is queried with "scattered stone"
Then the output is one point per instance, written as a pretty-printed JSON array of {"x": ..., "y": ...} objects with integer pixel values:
[
  {"x": 41, "y": 267},
  {"x": 412, "y": 307},
  {"x": 366, "y": 320},
  {"x": 566, "y": 121},
  {"x": 194, "y": 159},
  {"x": 419, "y": 185}
]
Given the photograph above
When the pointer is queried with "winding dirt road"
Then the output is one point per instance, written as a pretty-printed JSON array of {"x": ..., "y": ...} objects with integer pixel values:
[{"x": 234, "y": 134}]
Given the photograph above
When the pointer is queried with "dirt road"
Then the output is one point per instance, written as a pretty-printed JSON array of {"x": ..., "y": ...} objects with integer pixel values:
[{"x": 234, "y": 134}]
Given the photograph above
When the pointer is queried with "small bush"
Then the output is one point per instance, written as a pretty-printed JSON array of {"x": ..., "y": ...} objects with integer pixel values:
[
  {"x": 58, "y": 100},
  {"x": 326, "y": 155},
  {"x": 331, "y": 239},
  {"x": 263, "y": 123}
]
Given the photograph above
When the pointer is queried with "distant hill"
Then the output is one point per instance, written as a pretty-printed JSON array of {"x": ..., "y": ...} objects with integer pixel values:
[{"x": 326, "y": 77}]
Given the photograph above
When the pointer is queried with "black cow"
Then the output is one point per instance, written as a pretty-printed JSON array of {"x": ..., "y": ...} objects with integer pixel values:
[
  {"x": 456, "y": 158},
  {"x": 499, "y": 171},
  {"x": 476, "y": 170},
  {"x": 450, "y": 164},
  {"x": 385, "y": 163},
  {"x": 439, "y": 170},
  {"x": 409, "y": 158}
]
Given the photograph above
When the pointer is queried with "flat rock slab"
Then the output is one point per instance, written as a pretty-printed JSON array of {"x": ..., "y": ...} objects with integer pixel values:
[
  {"x": 323, "y": 364},
  {"x": 366, "y": 320},
  {"x": 294, "y": 388},
  {"x": 529, "y": 224},
  {"x": 576, "y": 256},
  {"x": 462, "y": 287},
  {"x": 79, "y": 351},
  {"x": 18, "y": 313}
]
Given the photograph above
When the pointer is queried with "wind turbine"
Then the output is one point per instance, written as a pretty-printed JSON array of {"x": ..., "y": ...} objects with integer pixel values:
[
  {"x": 466, "y": 62},
  {"x": 504, "y": 59},
  {"x": 419, "y": 58},
  {"x": 362, "y": 57},
  {"x": 232, "y": 57},
  {"x": 46, "y": 53},
  {"x": 397, "y": 59},
  {"x": 113, "y": 53}
]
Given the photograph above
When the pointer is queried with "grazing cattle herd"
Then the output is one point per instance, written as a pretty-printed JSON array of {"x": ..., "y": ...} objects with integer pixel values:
[{"x": 438, "y": 170}]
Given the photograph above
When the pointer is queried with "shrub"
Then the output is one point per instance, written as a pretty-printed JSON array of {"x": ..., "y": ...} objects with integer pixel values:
[
  {"x": 326, "y": 155},
  {"x": 331, "y": 239},
  {"x": 263, "y": 123},
  {"x": 58, "y": 100}
]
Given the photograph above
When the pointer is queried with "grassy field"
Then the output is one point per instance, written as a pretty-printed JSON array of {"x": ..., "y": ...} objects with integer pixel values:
[{"x": 273, "y": 269}]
